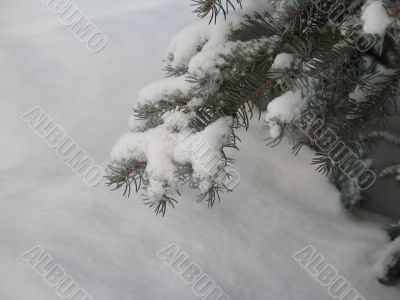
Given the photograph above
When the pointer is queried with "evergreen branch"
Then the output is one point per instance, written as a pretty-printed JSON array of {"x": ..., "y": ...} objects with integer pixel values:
[
  {"x": 160, "y": 206},
  {"x": 393, "y": 231},
  {"x": 152, "y": 113},
  {"x": 324, "y": 65},
  {"x": 122, "y": 175},
  {"x": 386, "y": 136},
  {"x": 212, "y": 194},
  {"x": 213, "y": 7},
  {"x": 391, "y": 171},
  {"x": 302, "y": 17},
  {"x": 351, "y": 196},
  {"x": 256, "y": 27}
]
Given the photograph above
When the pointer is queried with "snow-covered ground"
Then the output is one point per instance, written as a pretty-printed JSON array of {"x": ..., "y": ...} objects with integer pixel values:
[{"x": 108, "y": 243}]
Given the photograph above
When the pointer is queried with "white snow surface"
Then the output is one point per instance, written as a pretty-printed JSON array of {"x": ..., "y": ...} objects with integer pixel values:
[{"x": 108, "y": 243}]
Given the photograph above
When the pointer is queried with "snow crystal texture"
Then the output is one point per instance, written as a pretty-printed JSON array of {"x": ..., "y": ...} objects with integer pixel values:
[{"x": 109, "y": 243}]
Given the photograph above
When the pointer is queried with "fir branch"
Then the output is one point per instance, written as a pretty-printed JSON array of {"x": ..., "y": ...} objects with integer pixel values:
[
  {"x": 152, "y": 113},
  {"x": 160, "y": 206},
  {"x": 393, "y": 231},
  {"x": 351, "y": 196},
  {"x": 123, "y": 174},
  {"x": 214, "y": 7},
  {"x": 386, "y": 136},
  {"x": 255, "y": 27},
  {"x": 211, "y": 195},
  {"x": 326, "y": 68},
  {"x": 391, "y": 171},
  {"x": 301, "y": 17}
]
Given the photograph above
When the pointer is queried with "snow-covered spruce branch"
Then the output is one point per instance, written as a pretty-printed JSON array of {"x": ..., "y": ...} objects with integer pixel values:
[
  {"x": 392, "y": 170},
  {"x": 290, "y": 59},
  {"x": 387, "y": 269},
  {"x": 393, "y": 231}
]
